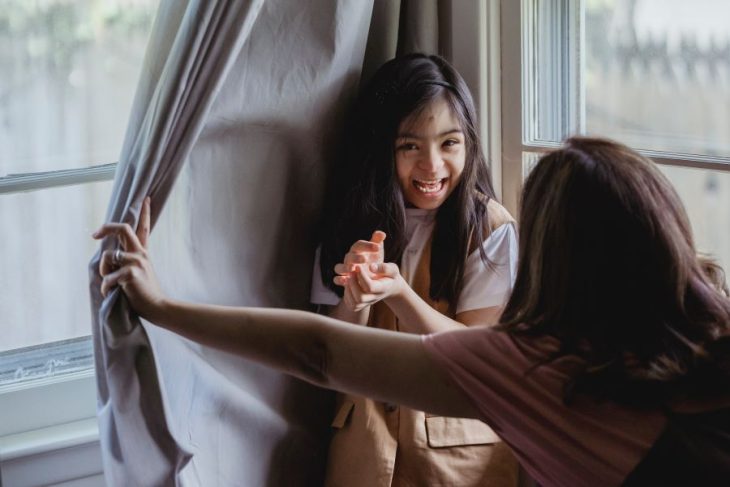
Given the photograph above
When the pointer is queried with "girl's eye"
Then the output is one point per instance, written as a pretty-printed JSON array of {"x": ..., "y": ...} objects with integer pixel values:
[
  {"x": 450, "y": 142},
  {"x": 407, "y": 146}
]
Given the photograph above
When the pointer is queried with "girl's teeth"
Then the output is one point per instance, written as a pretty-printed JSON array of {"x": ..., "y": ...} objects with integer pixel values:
[{"x": 429, "y": 186}]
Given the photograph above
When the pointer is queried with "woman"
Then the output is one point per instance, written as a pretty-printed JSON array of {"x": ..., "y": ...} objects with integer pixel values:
[
  {"x": 412, "y": 165},
  {"x": 612, "y": 364}
]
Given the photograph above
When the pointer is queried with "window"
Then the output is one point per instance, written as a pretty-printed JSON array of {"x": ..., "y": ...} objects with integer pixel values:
[
  {"x": 653, "y": 74},
  {"x": 69, "y": 71}
]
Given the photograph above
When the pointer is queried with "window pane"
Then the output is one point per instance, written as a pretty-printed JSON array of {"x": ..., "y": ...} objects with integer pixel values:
[
  {"x": 657, "y": 74},
  {"x": 69, "y": 71},
  {"x": 552, "y": 100},
  {"x": 529, "y": 159},
  {"x": 46, "y": 249},
  {"x": 706, "y": 196}
]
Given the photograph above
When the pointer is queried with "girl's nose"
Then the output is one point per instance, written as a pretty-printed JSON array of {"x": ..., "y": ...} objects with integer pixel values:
[{"x": 431, "y": 160}]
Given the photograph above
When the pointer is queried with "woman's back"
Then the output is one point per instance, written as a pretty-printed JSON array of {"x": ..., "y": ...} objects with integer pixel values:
[
  {"x": 614, "y": 325},
  {"x": 590, "y": 442},
  {"x": 557, "y": 445}
]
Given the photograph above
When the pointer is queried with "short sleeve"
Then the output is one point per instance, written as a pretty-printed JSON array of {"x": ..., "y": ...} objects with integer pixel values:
[
  {"x": 487, "y": 285},
  {"x": 474, "y": 359},
  {"x": 321, "y": 294},
  {"x": 491, "y": 368}
]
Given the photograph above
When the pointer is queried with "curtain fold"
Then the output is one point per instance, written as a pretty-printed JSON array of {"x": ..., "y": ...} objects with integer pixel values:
[
  {"x": 402, "y": 26},
  {"x": 194, "y": 39},
  {"x": 232, "y": 133}
]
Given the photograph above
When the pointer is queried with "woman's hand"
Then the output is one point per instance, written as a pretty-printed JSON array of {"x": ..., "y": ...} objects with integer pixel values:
[
  {"x": 129, "y": 267},
  {"x": 364, "y": 275}
]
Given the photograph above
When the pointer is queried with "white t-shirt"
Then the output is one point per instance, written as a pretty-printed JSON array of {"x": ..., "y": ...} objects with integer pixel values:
[{"x": 483, "y": 286}]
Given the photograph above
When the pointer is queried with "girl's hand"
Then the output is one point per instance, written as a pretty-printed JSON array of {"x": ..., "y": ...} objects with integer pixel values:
[
  {"x": 362, "y": 252},
  {"x": 129, "y": 267},
  {"x": 373, "y": 283}
]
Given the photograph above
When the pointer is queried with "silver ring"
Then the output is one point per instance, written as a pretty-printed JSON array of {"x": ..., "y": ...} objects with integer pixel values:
[{"x": 117, "y": 258}]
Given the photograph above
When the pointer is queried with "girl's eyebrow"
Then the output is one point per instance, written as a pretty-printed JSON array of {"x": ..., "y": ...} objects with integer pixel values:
[{"x": 409, "y": 135}]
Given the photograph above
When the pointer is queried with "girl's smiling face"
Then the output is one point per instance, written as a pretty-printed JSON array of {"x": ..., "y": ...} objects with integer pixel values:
[{"x": 430, "y": 154}]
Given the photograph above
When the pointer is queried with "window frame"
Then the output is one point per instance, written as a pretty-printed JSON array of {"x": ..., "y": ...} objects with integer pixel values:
[
  {"x": 72, "y": 392},
  {"x": 39, "y": 181},
  {"x": 50, "y": 419},
  {"x": 517, "y": 138},
  {"x": 33, "y": 436}
]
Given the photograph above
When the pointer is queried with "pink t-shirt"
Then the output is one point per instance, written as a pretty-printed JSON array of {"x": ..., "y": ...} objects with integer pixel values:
[{"x": 587, "y": 443}]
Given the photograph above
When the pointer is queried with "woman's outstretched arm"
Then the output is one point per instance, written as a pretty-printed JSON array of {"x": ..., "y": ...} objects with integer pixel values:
[{"x": 388, "y": 366}]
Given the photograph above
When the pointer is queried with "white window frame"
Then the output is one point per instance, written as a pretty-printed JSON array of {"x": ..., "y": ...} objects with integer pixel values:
[
  {"x": 517, "y": 137},
  {"x": 48, "y": 424},
  {"x": 48, "y": 430},
  {"x": 474, "y": 52}
]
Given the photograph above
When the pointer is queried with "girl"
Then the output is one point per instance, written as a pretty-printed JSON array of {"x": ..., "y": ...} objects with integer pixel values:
[
  {"x": 413, "y": 167},
  {"x": 612, "y": 362}
]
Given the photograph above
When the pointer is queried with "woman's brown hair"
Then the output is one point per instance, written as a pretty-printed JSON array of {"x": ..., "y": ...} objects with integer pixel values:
[{"x": 608, "y": 266}]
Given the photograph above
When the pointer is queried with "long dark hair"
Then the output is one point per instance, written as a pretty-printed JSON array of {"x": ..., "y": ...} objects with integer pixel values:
[
  {"x": 364, "y": 194},
  {"x": 608, "y": 267}
]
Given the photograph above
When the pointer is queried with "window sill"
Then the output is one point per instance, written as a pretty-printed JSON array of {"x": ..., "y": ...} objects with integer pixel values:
[
  {"x": 49, "y": 433},
  {"x": 49, "y": 439},
  {"x": 63, "y": 453},
  {"x": 43, "y": 404}
]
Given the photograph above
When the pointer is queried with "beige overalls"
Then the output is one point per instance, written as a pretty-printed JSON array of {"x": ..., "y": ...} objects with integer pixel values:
[{"x": 377, "y": 444}]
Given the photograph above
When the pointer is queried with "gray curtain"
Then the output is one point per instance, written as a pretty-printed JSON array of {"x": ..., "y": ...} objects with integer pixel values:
[
  {"x": 231, "y": 134},
  {"x": 191, "y": 41},
  {"x": 403, "y": 26}
]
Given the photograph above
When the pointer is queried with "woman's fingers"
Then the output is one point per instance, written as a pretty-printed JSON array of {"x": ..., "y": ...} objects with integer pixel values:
[
  {"x": 129, "y": 267},
  {"x": 108, "y": 263},
  {"x": 131, "y": 241},
  {"x": 111, "y": 260},
  {"x": 124, "y": 232},
  {"x": 143, "y": 225},
  {"x": 114, "y": 279}
]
